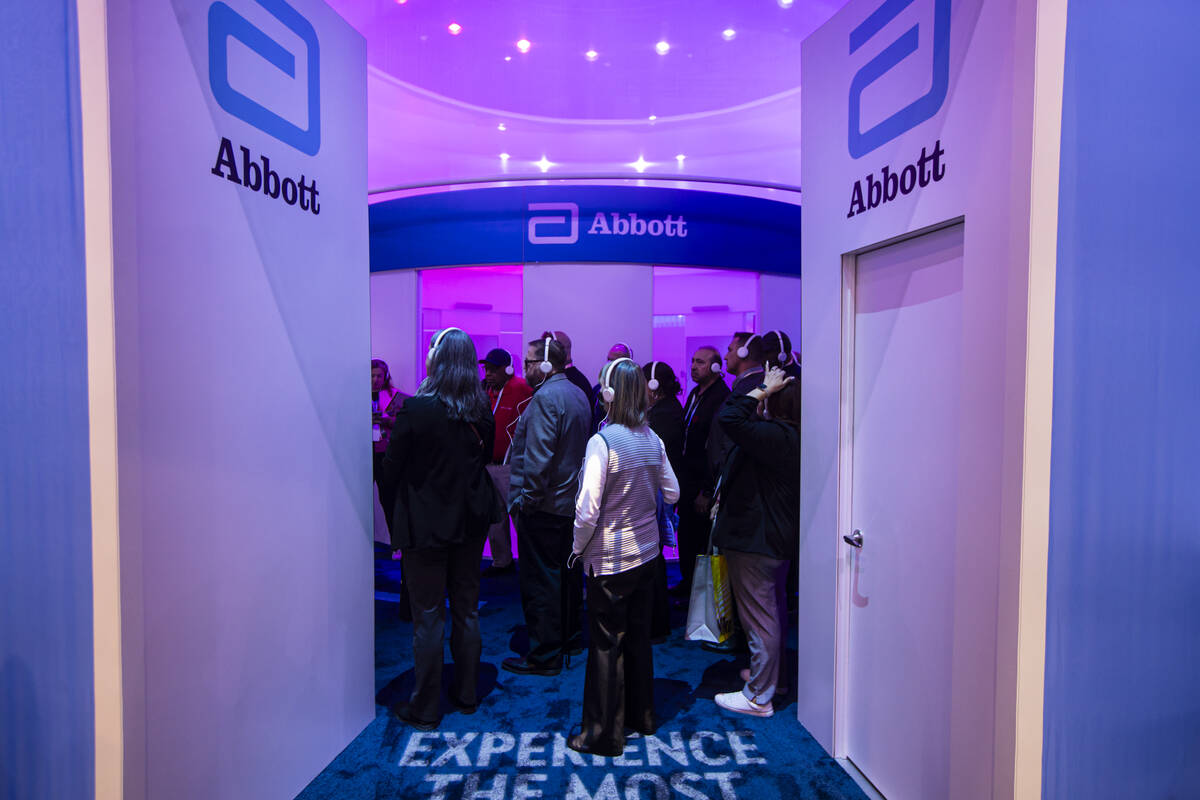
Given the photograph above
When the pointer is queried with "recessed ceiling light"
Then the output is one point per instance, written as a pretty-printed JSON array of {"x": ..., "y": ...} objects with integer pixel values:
[
  {"x": 680, "y": 158},
  {"x": 591, "y": 55},
  {"x": 524, "y": 45},
  {"x": 728, "y": 34},
  {"x": 454, "y": 28},
  {"x": 501, "y": 127},
  {"x": 653, "y": 117},
  {"x": 662, "y": 48},
  {"x": 508, "y": 58},
  {"x": 504, "y": 156},
  {"x": 786, "y": 3},
  {"x": 401, "y": 2},
  {"x": 641, "y": 164},
  {"x": 543, "y": 163}
]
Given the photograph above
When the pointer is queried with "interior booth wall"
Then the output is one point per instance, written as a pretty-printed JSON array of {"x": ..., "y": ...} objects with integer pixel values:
[
  {"x": 47, "y": 742},
  {"x": 922, "y": 111},
  {"x": 242, "y": 346},
  {"x": 1122, "y": 706}
]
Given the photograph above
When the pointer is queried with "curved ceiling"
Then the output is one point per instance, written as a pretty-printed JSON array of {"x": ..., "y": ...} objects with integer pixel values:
[{"x": 591, "y": 91}]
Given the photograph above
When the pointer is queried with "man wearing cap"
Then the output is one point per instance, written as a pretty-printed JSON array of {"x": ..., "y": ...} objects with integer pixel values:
[{"x": 508, "y": 394}]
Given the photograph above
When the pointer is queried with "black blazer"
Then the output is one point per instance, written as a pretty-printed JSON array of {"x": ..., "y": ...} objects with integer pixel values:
[
  {"x": 436, "y": 467},
  {"x": 665, "y": 418},
  {"x": 697, "y": 473},
  {"x": 760, "y": 484}
]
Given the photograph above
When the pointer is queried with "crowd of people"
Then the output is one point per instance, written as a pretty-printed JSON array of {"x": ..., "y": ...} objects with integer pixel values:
[{"x": 596, "y": 479}]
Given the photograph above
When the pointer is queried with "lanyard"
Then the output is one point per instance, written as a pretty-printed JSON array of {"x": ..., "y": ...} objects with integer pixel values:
[{"x": 499, "y": 397}]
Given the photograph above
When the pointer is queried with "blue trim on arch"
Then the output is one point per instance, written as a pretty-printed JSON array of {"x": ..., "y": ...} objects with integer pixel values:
[{"x": 580, "y": 224}]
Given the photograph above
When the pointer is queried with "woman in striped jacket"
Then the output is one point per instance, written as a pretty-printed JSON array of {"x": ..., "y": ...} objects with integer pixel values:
[{"x": 616, "y": 541}]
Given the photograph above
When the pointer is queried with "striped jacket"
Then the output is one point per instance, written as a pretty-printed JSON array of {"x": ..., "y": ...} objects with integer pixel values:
[{"x": 616, "y": 524}]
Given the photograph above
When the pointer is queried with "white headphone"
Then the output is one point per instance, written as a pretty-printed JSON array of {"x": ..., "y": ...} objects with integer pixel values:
[
  {"x": 784, "y": 355},
  {"x": 715, "y": 367},
  {"x": 512, "y": 363},
  {"x": 653, "y": 384},
  {"x": 546, "y": 366},
  {"x": 744, "y": 350},
  {"x": 437, "y": 340},
  {"x": 606, "y": 390}
]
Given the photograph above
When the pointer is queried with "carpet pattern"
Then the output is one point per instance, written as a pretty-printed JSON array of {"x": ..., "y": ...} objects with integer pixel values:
[{"x": 514, "y": 745}]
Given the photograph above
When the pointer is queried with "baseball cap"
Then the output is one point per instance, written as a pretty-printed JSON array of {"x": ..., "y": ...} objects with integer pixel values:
[{"x": 497, "y": 358}]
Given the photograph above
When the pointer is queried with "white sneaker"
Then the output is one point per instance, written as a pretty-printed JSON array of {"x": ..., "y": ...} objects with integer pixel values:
[
  {"x": 780, "y": 691},
  {"x": 736, "y": 701}
]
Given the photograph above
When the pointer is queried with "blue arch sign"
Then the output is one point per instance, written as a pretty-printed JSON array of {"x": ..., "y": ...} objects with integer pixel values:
[{"x": 579, "y": 224}]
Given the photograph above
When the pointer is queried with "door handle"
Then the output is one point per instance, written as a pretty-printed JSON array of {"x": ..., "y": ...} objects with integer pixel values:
[{"x": 854, "y": 540}]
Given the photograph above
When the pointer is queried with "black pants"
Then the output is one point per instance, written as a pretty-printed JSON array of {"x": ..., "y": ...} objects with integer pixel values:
[
  {"x": 693, "y": 539},
  {"x": 619, "y": 688},
  {"x": 387, "y": 501},
  {"x": 544, "y": 542},
  {"x": 660, "y": 611},
  {"x": 432, "y": 575}
]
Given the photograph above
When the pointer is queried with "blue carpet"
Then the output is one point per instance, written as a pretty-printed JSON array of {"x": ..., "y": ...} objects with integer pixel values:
[{"x": 514, "y": 745}]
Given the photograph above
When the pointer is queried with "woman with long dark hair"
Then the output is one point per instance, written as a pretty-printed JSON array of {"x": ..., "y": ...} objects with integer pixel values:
[
  {"x": 757, "y": 526},
  {"x": 441, "y": 441},
  {"x": 616, "y": 539}
]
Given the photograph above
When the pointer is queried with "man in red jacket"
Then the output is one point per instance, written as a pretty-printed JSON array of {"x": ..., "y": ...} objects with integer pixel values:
[{"x": 509, "y": 395}]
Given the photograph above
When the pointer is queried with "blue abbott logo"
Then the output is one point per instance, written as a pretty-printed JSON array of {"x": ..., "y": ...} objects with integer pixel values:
[
  {"x": 224, "y": 24},
  {"x": 571, "y": 218},
  {"x": 863, "y": 142}
]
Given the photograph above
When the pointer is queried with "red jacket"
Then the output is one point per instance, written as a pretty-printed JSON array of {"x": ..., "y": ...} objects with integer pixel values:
[{"x": 508, "y": 403}]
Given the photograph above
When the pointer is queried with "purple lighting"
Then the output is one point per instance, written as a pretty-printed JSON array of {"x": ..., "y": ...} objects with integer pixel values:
[{"x": 734, "y": 110}]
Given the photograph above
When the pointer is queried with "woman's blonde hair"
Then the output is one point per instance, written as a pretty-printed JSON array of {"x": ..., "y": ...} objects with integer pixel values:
[{"x": 628, "y": 386}]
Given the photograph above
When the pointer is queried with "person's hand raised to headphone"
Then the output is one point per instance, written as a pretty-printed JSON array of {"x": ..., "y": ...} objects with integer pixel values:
[{"x": 774, "y": 380}]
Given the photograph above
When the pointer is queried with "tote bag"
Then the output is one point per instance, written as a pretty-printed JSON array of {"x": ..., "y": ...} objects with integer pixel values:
[{"x": 710, "y": 616}]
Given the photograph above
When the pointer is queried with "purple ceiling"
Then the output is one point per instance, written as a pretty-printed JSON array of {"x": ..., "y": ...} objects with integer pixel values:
[{"x": 446, "y": 106}]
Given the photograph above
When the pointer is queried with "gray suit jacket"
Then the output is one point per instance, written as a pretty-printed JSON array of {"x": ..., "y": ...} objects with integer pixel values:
[{"x": 547, "y": 449}]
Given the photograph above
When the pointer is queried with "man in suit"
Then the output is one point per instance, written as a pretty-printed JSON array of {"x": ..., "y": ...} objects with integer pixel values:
[
  {"x": 695, "y": 474},
  {"x": 547, "y": 451}
]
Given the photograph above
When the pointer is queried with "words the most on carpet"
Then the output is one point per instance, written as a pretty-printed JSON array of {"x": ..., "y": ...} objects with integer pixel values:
[{"x": 689, "y": 761}]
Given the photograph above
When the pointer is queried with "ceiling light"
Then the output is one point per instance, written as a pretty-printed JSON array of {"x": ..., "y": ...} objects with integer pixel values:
[
  {"x": 504, "y": 156},
  {"x": 664, "y": 47},
  {"x": 454, "y": 28},
  {"x": 401, "y": 2},
  {"x": 524, "y": 45},
  {"x": 543, "y": 164},
  {"x": 653, "y": 117},
  {"x": 641, "y": 164},
  {"x": 680, "y": 158},
  {"x": 728, "y": 34},
  {"x": 591, "y": 55},
  {"x": 508, "y": 58},
  {"x": 501, "y": 127},
  {"x": 786, "y": 3}
]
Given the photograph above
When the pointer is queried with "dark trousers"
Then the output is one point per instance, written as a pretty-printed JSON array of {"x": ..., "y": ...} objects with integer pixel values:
[
  {"x": 544, "y": 541},
  {"x": 387, "y": 501},
  {"x": 660, "y": 611},
  {"x": 619, "y": 688},
  {"x": 432, "y": 575},
  {"x": 693, "y": 539}
]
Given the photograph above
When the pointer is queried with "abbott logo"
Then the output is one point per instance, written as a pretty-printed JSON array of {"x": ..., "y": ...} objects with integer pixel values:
[
  {"x": 863, "y": 142},
  {"x": 224, "y": 24},
  {"x": 557, "y": 219}
]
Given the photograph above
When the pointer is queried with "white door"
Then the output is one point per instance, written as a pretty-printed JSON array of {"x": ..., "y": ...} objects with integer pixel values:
[{"x": 907, "y": 390}]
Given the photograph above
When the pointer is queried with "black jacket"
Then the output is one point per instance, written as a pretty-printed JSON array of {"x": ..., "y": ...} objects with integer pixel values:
[
  {"x": 697, "y": 476},
  {"x": 759, "y": 492},
  {"x": 575, "y": 376},
  {"x": 718, "y": 443},
  {"x": 665, "y": 418},
  {"x": 436, "y": 466}
]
